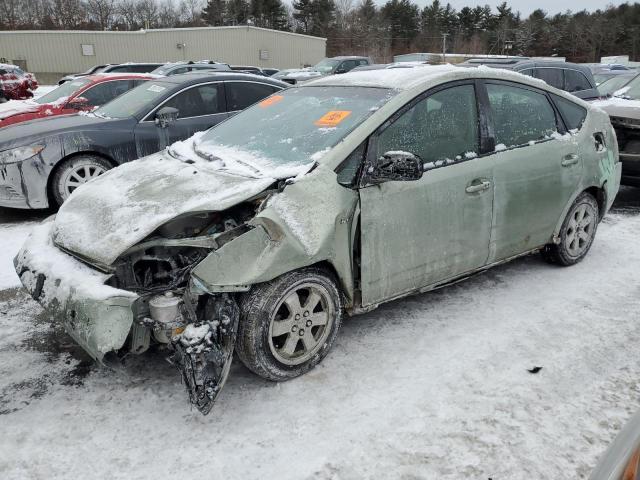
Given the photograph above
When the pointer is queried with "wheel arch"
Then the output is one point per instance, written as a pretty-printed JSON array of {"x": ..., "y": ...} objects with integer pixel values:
[
  {"x": 597, "y": 192},
  {"x": 68, "y": 158}
]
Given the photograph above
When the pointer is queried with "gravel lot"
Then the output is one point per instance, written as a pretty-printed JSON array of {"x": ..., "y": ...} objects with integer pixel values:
[{"x": 432, "y": 386}]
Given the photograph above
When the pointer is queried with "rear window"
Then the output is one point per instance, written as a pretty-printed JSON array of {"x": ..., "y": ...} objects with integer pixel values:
[{"x": 572, "y": 113}]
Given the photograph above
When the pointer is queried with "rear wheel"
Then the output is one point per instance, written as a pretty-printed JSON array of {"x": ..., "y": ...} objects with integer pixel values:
[
  {"x": 287, "y": 325},
  {"x": 577, "y": 233},
  {"x": 76, "y": 172}
]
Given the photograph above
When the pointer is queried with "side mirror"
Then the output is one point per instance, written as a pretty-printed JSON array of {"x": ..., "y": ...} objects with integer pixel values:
[
  {"x": 396, "y": 166},
  {"x": 79, "y": 103},
  {"x": 165, "y": 116}
]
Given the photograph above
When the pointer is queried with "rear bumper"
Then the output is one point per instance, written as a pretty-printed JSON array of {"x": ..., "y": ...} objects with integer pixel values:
[
  {"x": 96, "y": 316},
  {"x": 613, "y": 185}
]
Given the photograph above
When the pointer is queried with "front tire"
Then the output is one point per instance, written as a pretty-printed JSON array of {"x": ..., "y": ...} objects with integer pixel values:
[
  {"x": 74, "y": 173},
  {"x": 576, "y": 234},
  {"x": 288, "y": 325}
]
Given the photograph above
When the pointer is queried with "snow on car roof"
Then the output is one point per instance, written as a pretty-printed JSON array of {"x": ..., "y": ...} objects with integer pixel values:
[{"x": 408, "y": 78}]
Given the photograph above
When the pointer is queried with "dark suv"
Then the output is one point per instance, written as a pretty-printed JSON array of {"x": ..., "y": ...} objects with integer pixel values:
[{"x": 570, "y": 77}]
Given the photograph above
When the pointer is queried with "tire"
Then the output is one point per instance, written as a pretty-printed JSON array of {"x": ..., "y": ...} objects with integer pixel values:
[
  {"x": 75, "y": 172},
  {"x": 277, "y": 337},
  {"x": 576, "y": 234}
]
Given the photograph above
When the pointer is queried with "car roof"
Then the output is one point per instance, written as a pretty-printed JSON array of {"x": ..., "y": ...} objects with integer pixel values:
[
  {"x": 103, "y": 77},
  {"x": 219, "y": 76},
  {"x": 419, "y": 76}
]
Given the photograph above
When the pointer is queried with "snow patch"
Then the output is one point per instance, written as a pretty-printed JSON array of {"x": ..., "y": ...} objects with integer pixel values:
[{"x": 17, "y": 107}]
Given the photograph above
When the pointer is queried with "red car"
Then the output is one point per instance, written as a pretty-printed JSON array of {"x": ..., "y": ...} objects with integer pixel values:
[
  {"x": 81, "y": 94},
  {"x": 15, "y": 83}
]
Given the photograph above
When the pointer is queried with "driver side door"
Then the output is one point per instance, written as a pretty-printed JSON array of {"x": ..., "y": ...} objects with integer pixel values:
[{"x": 424, "y": 232}]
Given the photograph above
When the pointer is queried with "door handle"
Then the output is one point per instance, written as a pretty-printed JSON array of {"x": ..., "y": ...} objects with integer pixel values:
[
  {"x": 478, "y": 186},
  {"x": 569, "y": 160}
]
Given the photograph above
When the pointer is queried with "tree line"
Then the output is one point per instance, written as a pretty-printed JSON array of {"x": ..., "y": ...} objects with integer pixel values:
[{"x": 360, "y": 26}]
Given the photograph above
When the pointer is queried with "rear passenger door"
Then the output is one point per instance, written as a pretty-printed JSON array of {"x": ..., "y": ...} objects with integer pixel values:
[
  {"x": 200, "y": 107},
  {"x": 242, "y": 94},
  {"x": 536, "y": 171}
]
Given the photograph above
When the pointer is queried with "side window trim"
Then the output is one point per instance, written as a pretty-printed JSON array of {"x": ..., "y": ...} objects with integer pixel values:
[
  {"x": 149, "y": 116},
  {"x": 560, "y": 125},
  {"x": 371, "y": 148}
]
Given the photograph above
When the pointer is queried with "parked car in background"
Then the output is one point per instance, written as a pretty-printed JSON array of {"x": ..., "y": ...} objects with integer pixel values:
[
  {"x": 624, "y": 111},
  {"x": 603, "y": 75},
  {"x": 44, "y": 161},
  {"x": 334, "y": 196},
  {"x": 178, "y": 68},
  {"x": 270, "y": 71},
  {"x": 328, "y": 66},
  {"x": 129, "y": 67},
  {"x": 15, "y": 83},
  {"x": 83, "y": 94},
  {"x": 248, "y": 69},
  {"x": 610, "y": 86},
  {"x": 570, "y": 77},
  {"x": 621, "y": 461}
]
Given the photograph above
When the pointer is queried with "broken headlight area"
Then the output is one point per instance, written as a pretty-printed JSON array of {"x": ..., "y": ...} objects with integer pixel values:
[{"x": 198, "y": 329}]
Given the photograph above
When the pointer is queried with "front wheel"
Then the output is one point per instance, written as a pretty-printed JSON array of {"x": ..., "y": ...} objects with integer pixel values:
[
  {"x": 577, "y": 233},
  {"x": 74, "y": 173},
  {"x": 287, "y": 325}
]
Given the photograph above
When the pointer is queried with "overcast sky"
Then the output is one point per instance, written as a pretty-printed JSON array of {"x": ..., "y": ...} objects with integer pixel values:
[{"x": 527, "y": 6}]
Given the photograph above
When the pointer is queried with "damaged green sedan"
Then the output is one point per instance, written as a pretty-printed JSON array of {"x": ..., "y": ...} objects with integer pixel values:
[{"x": 329, "y": 198}]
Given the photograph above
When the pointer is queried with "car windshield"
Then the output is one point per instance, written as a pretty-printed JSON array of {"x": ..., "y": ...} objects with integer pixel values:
[
  {"x": 292, "y": 128},
  {"x": 165, "y": 68},
  {"x": 326, "y": 65},
  {"x": 609, "y": 87},
  {"x": 63, "y": 92},
  {"x": 127, "y": 104},
  {"x": 632, "y": 89}
]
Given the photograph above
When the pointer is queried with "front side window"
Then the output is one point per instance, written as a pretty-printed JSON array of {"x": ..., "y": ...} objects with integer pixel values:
[
  {"x": 197, "y": 101},
  {"x": 241, "y": 95},
  {"x": 553, "y": 76},
  {"x": 520, "y": 115},
  {"x": 575, "y": 81},
  {"x": 442, "y": 127},
  {"x": 105, "y": 92}
]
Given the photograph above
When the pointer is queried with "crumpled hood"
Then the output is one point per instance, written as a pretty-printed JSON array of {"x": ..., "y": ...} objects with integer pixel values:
[{"x": 112, "y": 213}]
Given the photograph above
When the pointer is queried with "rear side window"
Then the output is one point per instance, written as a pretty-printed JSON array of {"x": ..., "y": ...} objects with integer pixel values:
[
  {"x": 105, "y": 92},
  {"x": 197, "y": 101},
  {"x": 520, "y": 115},
  {"x": 240, "y": 95},
  {"x": 572, "y": 113},
  {"x": 553, "y": 76},
  {"x": 575, "y": 81}
]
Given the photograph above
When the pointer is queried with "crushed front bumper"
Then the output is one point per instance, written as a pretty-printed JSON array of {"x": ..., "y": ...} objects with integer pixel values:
[{"x": 95, "y": 315}]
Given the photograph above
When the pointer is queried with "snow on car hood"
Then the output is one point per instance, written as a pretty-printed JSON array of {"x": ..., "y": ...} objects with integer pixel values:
[
  {"x": 619, "y": 107},
  {"x": 112, "y": 213}
]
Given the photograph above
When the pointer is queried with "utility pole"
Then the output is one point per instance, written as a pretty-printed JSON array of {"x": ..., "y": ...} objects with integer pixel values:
[{"x": 444, "y": 47}]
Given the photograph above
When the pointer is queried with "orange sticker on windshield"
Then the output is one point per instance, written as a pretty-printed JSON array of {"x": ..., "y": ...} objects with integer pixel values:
[
  {"x": 332, "y": 118},
  {"x": 270, "y": 101}
]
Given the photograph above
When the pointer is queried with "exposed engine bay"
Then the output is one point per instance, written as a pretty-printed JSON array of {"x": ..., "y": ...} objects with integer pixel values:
[{"x": 198, "y": 329}]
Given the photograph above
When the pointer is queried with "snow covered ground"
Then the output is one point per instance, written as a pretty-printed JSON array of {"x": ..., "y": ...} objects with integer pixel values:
[{"x": 430, "y": 387}]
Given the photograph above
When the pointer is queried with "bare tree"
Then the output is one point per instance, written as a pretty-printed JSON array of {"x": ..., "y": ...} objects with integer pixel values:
[
  {"x": 147, "y": 11},
  {"x": 101, "y": 12}
]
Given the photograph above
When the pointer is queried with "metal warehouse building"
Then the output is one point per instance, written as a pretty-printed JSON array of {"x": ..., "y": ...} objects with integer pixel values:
[{"x": 53, "y": 53}]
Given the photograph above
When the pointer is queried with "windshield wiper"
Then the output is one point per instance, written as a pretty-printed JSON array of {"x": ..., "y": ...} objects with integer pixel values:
[{"x": 212, "y": 158}]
